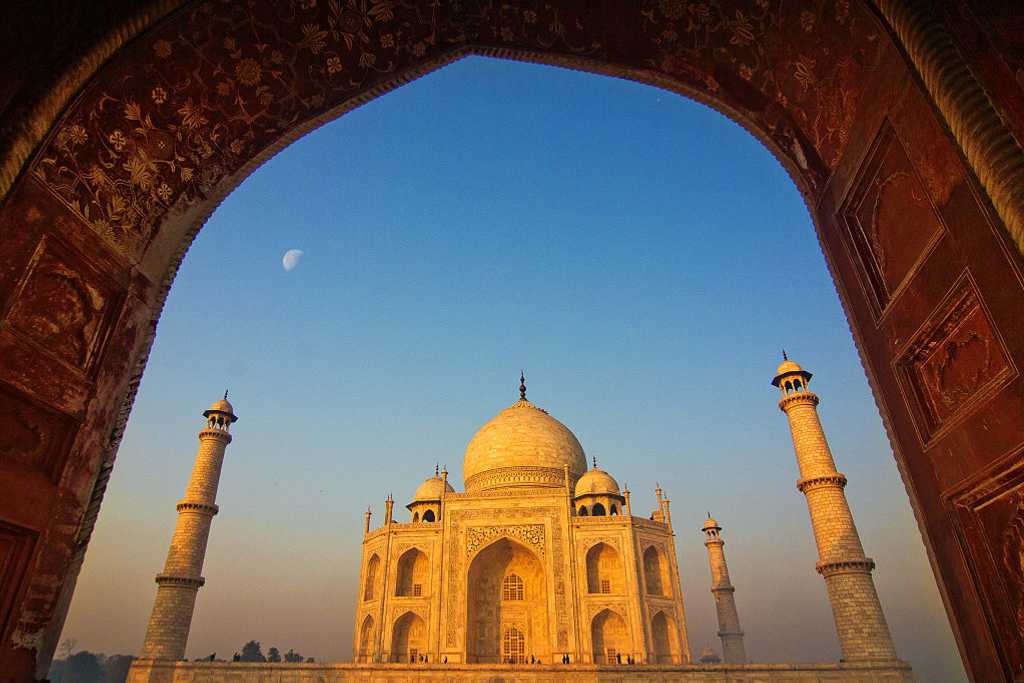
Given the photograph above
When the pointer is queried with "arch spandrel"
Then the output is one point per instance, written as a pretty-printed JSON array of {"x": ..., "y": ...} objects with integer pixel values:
[{"x": 193, "y": 102}]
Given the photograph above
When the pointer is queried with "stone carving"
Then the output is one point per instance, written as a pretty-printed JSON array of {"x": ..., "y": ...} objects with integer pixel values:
[
  {"x": 889, "y": 218},
  {"x": 28, "y": 437},
  {"x": 955, "y": 359},
  {"x": 61, "y": 306},
  {"x": 532, "y": 535},
  {"x": 1013, "y": 561}
]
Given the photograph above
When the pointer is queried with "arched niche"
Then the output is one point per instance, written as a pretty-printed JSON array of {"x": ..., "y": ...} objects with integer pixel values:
[
  {"x": 494, "y": 603},
  {"x": 365, "y": 651},
  {"x": 408, "y": 638},
  {"x": 609, "y": 637},
  {"x": 413, "y": 575},
  {"x": 666, "y": 639},
  {"x": 370, "y": 579},
  {"x": 656, "y": 573},
  {"x": 604, "y": 570}
]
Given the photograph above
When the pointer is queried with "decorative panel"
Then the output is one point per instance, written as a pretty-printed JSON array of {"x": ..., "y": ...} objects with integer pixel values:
[
  {"x": 990, "y": 514},
  {"x": 890, "y": 221},
  {"x": 64, "y": 305},
  {"x": 16, "y": 546},
  {"x": 953, "y": 363},
  {"x": 31, "y": 436}
]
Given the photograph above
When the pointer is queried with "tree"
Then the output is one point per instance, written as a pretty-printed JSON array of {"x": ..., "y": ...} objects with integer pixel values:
[
  {"x": 310, "y": 660},
  {"x": 116, "y": 668},
  {"x": 83, "y": 667},
  {"x": 292, "y": 656},
  {"x": 252, "y": 652},
  {"x": 67, "y": 647},
  {"x": 273, "y": 655}
]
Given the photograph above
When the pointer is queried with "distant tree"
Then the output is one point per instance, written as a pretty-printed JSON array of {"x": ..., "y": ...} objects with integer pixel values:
[
  {"x": 273, "y": 655},
  {"x": 310, "y": 660},
  {"x": 292, "y": 656},
  {"x": 83, "y": 667},
  {"x": 116, "y": 668},
  {"x": 66, "y": 648},
  {"x": 57, "y": 669},
  {"x": 252, "y": 652}
]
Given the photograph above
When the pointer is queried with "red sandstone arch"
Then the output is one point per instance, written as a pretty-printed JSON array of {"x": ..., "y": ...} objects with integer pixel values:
[{"x": 109, "y": 166}]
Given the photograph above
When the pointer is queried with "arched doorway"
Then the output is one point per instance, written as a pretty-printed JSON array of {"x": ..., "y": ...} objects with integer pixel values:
[
  {"x": 409, "y": 638},
  {"x": 802, "y": 84},
  {"x": 507, "y": 605},
  {"x": 609, "y": 637},
  {"x": 666, "y": 639}
]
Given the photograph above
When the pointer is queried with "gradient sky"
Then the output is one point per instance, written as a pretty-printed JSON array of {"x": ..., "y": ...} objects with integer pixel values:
[{"x": 641, "y": 256}]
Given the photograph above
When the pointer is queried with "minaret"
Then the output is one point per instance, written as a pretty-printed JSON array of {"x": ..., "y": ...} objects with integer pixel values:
[
  {"x": 860, "y": 623},
  {"x": 178, "y": 584},
  {"x": 725, "y": 602}
]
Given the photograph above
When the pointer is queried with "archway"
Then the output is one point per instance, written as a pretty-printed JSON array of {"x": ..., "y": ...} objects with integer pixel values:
[
  {"x": 507, "y": 603},
  {"x": 609, "y": 637},
  {"x": 413, "y": 576},
  {"x": 666, "y": 639},
  {"x": 409, "y": 638},
  {"x": 604, "y": 570},
  {"x": 370, "y": 582},
  {"x": 656, "y": 577},
  {"x": 802, "y": 84},
  {"x": 365, "y": 651}
]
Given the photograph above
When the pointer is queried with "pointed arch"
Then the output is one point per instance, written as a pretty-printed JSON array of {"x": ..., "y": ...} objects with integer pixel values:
[
  {"x": 506, "y": 587},
  {"x": 656, "y": 577},
  {"x": 370, "y": 578},
  {"x": 365, "y": 653},
  {"x": 604, "y": 570},
  {"x": 666, "y": 639},
  {"x": 408, "y": 638},
  {"x": 609, "y": 637},
  {"x": 413, "y": 574},
  {"x": 598, "y": 510}
]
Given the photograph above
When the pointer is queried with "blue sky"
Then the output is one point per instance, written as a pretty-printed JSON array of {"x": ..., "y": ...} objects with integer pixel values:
[{"x": 642, "y": 257}]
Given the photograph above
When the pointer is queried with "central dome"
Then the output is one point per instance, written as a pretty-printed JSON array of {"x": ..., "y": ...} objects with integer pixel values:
[{"x": 522, "y": 446}]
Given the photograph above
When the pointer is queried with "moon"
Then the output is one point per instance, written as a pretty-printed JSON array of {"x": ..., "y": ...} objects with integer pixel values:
[{"x": 291, "y": 259}]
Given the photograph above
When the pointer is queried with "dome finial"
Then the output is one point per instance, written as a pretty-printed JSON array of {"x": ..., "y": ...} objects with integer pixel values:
[
  {"x": 522, "y": 385},
  {"x": 225, "y": 394},
  {"x": 784, "y": 356},
  {"x": 437, "y": 468},
  {"x": 594, "y": 459}
]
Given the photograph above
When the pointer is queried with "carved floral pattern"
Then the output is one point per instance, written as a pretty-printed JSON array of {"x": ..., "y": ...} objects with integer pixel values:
[
  {"x": 218, "y": 83},
  {"x": 955, "y": 358},
  {"x": 531, "y": 535}
]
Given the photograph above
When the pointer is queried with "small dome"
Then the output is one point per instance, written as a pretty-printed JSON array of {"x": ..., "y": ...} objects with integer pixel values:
[
  {"x": 596, "y": 482},
  {"x": 221, "y": 406},
  {"x": 431, "y": 489},
  {"x": 709, "y": 656},
  {"x": 711, "y": 523},
  {"x": 788, "y": 366},
  {"x": 529, "y": 446}
]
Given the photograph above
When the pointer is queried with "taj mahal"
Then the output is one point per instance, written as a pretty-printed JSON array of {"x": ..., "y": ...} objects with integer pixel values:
[{"x": 538, "y": 570}]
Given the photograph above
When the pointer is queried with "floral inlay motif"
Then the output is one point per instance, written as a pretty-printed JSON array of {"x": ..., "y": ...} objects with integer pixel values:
[
  {"x": 192, "y": 101},
  {"x": 530, "y": 534}
]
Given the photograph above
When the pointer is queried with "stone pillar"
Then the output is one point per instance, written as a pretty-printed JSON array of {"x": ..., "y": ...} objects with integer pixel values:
[
  {"x": 729, "y": 629},
  {"x": 860, "y": 623},
  {"x": 178, "y": 584}
]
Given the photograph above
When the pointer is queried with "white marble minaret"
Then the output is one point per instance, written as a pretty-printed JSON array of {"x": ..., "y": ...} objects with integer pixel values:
[
  {"x": 860, "y": 623},
  {"x": 178, "y": 584},
  {"x": 729, "y": 629}
]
